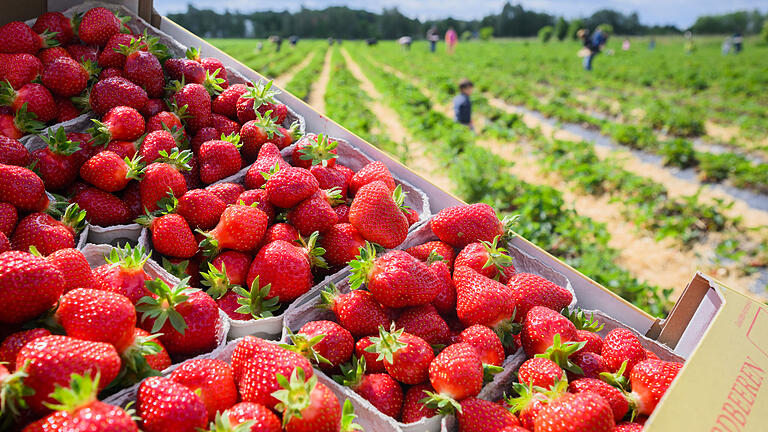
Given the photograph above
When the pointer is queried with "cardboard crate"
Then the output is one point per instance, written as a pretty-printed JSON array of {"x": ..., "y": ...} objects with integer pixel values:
[{"x": 722, "y": 333}]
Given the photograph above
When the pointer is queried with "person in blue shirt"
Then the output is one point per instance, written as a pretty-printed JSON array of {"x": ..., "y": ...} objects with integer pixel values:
[
  {"x": 462, "y": 105},
  {"x": 593, "y": 44}
]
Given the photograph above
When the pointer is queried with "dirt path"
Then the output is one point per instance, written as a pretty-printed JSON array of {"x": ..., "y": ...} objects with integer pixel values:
[
  {"x": 285, "y": 78},
  {"x": 418, "y": 160},
  {"x": 316, "y": 97}
]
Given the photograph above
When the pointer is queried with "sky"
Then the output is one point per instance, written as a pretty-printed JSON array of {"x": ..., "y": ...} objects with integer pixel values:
[{"x": 681, "y": 13}]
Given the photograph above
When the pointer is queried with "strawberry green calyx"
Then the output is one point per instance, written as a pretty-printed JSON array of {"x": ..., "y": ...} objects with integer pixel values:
[
  {"x": 7, "y": 93},
  {"x": 135, "y": 365},
  {"x": 178, "y": 270},
  {"x": 175, "y": 86},
  {"x": 445, "y": 405},
  {"x": 617, "y": 379},
  {"x": 295, "y": 395},
  {"x": 82, "y": 390},
  {"x": 136, "y": 44},
  {"x": 294, "y": 132},
  {"x": 272, "y": 171},
  {"x": 49, "y": 38},
  {"x": 209, "y": 245},
  {"x": 212, "y": 83},
  {"x": 348, "y": 417},
  {"x": 351, "y": 373},
  {"x": 163, "y": 308},
  {"x": 178, "y": 159},
  {"x": 256, "y": 302},
  {"x": 12, "y": 394},
  {"x": 261, "y": 92},
  {"x": 123, "y": 21},
  {"x": 167, "y": 204},
  {"x": 387, "y": 344},
  {"x": 74, "y": 217},
  {"x": 233, "y": 138},
  {"x": 319, "y": 151},
  {"x": 304, "y": 345},
  {"x": 221, "y": 423},
  {"x": 506, "y": 329},
  {"x": 92, "y": 69},
  {"x": 489, "y": 371},
  {"x": 127, "y": 257},
  {"x": 559, "y": 353},
  {"x": 100, "y": 133},
  {"x": 58, "y": 142},
  {"x": 528, "y": 393},
  {"x": 509, "y": 223},
  {"x": 216, "y": 280},
  {"x": 362, "y": 266},
  {"x": 398, "y": 195},
  {"x": 192, "y": 53},
  {"x": 135, "y": 167},
  {"x": 155, "y": 47},
  {"x": 497, "y": 256},
  {"x": 328, "y": 296},
  {"x": 583, "y": 322},
  {"x": 180, "y": 112},
  {"x": 83, "y": 101},
  {"x": 434, "y": 257},
  {"x": 26, "y": 121},
  {"x": 333, "y": 195},
  {"x": 315, "y": 253},
  {"x": 267, "y": 124}
]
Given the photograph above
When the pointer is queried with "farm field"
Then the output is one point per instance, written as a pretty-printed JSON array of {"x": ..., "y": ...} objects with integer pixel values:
[{"x": 651, "y": 167}]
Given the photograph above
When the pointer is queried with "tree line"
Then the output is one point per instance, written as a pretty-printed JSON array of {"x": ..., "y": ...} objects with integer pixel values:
[{"x": 511, "y": 21}]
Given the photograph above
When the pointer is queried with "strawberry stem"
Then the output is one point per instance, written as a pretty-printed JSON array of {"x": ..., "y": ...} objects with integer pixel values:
[
  {"x": 362, "y": 266},
  {"x": 295, "y": 395},
  {"x": 304, "y": 345},
  {"x": 256, "y": 302},
  {"x": 163, "y": 307}
]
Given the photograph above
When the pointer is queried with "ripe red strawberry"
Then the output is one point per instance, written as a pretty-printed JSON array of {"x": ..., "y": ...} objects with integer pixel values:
[
  {"x": 253, "y": 99},
  {"x": 532, "y": 290},
  {"x": 269, "y": 160},
  {"x": 539, "y": 372},
  {"x": 649, "y": 380},
  {"x": 413, "y": 410},
  {"x": 185, "y": 69},
  {"x": 19, "y": 125},
  {"x": 227, "y": 192},
  {"x": 12, "y": 152},
  {"x": 256, "y": 363},
  {"x": 212, "y": 380},
  {"x": 377, "y": 216},
  {"x": 406, "y": 357},
  {"x": 37, "y": 99},
  {"x": 187, "y": 318},
  {"x": 240, "y": 228},
  {"x": 479, "y": 415},
  {"x": 264, "y": 419},
  {"x": 480, "y": 300},
  {"x": 342, "y": 242},
  {"x": 110, "y": 172},
  {"x": 286, "y": 136},
  {"x": 330, "y": 178},
  {"x": 445, "y": 299},
  {"x": 88, "y": 148},
  {"x": 530, "y": 401},
  {"x": 315, "y": 150},
  {"x": 235, "y": 263},
  {"x": 46, "y": 233},
  {"x": 158, "y": 361},
  {"x": 98, "y": 316},
  {"x": 163, "y": 177},
  {"x": 65, "y": 77},
  {"x": 213, "y": 65},
  {"x": 423, "y": 251},
  {"x": 258, "y": 197},
  {"x": 456, "y": 372},
  {"x": 116, "y": 91},
  {"x": 396, "y": 279},
  {"x": 226, "y": 103},
  {"x": 628, "y": 427},
  {"x": 143, "y": 69},
  {"x": 163, "y": 120},
  {"x": 594, "y": 343},
  {"x": 171, "y": 235},
  {"x": 155, "y": 142},
  {"x": 612, "y": 395},
  {"x": 486, "y": 343},
  {"x": 82, "y": 52},
  {"x": 111, "y": 56},
  {"x": 55, "y": 22},
  {"x": 372, "y": 364},
  {"x": 11, "y": 345},
  {"x": 619, "y": 346},
  {"x": 307, "y": 406},
  {"x": 540, "y": 326},
  {"x": 198, "y": 103},
  {"x": 5, "y": 243},
  {"x": 67, "y": 110},
  {"x": 380, "y": 389},
  {"x": 256, "y": 133},
  {"x": 287, "y": 267},
  {"x": 585, "y": 411},
  {"x": 54, "y": 358},
  {"x": 356, "y": 311},
  {"x": 220, "y": 158},
  {"x": 315, "y": 213},
  {"x": 280, "y": 231},
  {"x": 289, "y": 186},
  {"x": 224, "y": 126},
  {"x": 591, "y": 364},
  {"x": 488, "y": 259},
  {"x": 166, "y": 405},
  {"x": 120, "y": 123},
  {"x": 201, "y": 208},
  {"x": 124, "y": 272},
  {"x": 56, "y": 162},
  {"x": 124, "y": 149},
  {"x": 98, "y": 25},
  {"x": 374, "y": 171},
  {"x": 461, "y": 225},
  {"x": 424, "y": 322},
  {"x": 74, "y": 268},
  {"x": 49, "y": 55},
  {"x": 17, "y": 38},
  {"x": 154, "y": 106},
  {"x": 103, "y": 208},
  {"x": 203, "y": 135},
  {"x": 335, "y": 345},
  {"x": 19, "y": 69}
]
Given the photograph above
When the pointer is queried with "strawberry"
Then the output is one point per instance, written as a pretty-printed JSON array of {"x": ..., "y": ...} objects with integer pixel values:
[
  {"x": 423, "y": 251},
  {"x": 594, "y": 343},
  {"x": 281, "y": 231},
  {"x": 258, "y": 197},
  {"x": 264, "y": 419},
  {"x": 380, "y": 389},
  {"x": 154, "y": 106},
  {"x": 336, "y": 345},
  {"x": 163, "y": 177},
  {"x": 55, "y": 22},
  {"x": 220, "y": 158},
  {"x": 540, "y": 327},
  {"x": 198, "y": 103},
  {"x": 65, "y": 77},
  {"x": 224, "y": 126},
  {"x": 396, "y": 279},
  {"x": 256, "y": 133},
  {"x": 286, "y": 136},
  {"x": 269, "y": 161},
  {"x": 539, "y": 372},
  {"x": 461, "y": 225},
  {"x": 155, "y": 142},
  {"x": 227, "y": 192},
  {"x": 165, "y": 405},
  {"x": 619, "y": 346},
  {"x": 56, "y": 162},
  {"x": 82, "y": 53},
  {"x": 356, "y": 311},
  {"x": 52, "y": 360},
  {"x": 112, "y": 56},
  {"x": 98, "y": 316},
  {"x": 488, "y": 259},
  {"x": 315, "y": 213},
  {"x": 480, "y": 300},
  {"x": 143, "y": 69},
  {"x": 531, "y": 290},
  {"x": 341, "y": 243},
  {"x": 377, "y": 216},
  {"x": 612, "y": 395},
  {"x": 330, "y": 178},
  {"x": 124, "y": 149},
  {"x": 240, "y": 228},
  {"x": 171, "y": 235},
  {"x": 67, "y": 110},
  {"x": 486, "y": 343},
  {"x": 406, "y": 357},
  {"x": 5, "y": 243},
  {"x": 200, "y": 208},
  {"x": 253, "y": 99},
  {"x": 163, "y": 120},
  {"x": 413, "y": 409},
  {"x": 205, "y": 134},
  {"x": 185, "y": 69},
  {"x": 256, "y": 363},
  {"x": 46, "y": 233},
  {"x": 17, "y": 38},
  {"x": 110, "y": 172},
  {"x": 235, "y": 263},
  {"x": 124, "y": 272},
  {"x": 12, "y": 152},
  {"x": 74, "y": 268},
  {"x": 212, "y": 380},
  {"x": 19, "y": 69},
  {"x": 244, "y": 305},
  {"x": 424, "y": 322},
  {"x": 103, "y": 208},
  {"x": 591, "y": 365},
  {"x": 628, "y": 427},
  {"x": 226, "y": 103},
  {"x": 649, "y": 380},
  {"x": 120, "y": 123},
  {"x": 78, "y": 409},
  {"x": 98, "y": 25},
  {"x": 315, "y": 150},
  {"x": 456, "y": 373},
  {"x": 307, "y": 406},
  {"x": 477, "y": 415},
  {"x": 35, "y": 97},
  {"x": 116, "y": 91},
  {"x": 11, "y": 345},
  {"x": 187, "y": 318},
  {"x": 372, "y": 364},
  {"x": 88, "y": 148},
  {"x": 157, "y": 358},
  {"x": 287, "y": 267},
  {"x": 585, "y": 411},
  {"x": 530, "y": 401},
  {"x": 289, "y": 186},
  {"x": 49, "y": 55},
  {"x": 374, "y": 171},
  {"x": 445, "y": 299},
  {"x": 19, "y": 125}
]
